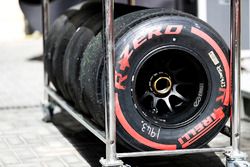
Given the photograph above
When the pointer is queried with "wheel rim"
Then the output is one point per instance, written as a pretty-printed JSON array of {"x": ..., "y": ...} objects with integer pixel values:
[{"x": 170, "y": 87}]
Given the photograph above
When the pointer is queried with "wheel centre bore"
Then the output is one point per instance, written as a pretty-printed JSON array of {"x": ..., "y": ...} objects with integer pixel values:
[{"x": 160, "y": 83}]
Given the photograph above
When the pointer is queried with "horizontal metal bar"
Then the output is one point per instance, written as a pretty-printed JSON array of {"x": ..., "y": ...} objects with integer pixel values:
[
  {"x": 171, "y": 152},
  {"x": 85, "y": 122}
]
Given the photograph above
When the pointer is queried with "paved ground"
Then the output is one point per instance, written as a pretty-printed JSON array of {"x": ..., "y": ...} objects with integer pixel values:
[{"x": 26, "y": 141}]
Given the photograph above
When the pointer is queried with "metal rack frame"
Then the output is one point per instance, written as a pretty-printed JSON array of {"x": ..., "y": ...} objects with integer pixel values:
[{"x": 234, "y": 157}]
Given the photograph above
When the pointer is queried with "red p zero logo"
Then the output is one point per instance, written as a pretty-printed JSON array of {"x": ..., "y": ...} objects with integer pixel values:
[{"x": 136, "y": 43}]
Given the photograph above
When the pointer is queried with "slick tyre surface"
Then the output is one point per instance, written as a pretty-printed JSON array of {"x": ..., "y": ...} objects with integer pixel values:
[
  {"x": 51, "y": 41},
  {"x": 81, "y": 17},
  {"x": 71, "y": 63},
  {"x": 171, "y": 80},
  {"x": 76, "y": 46},
  {"x": 53, "y": 35}
]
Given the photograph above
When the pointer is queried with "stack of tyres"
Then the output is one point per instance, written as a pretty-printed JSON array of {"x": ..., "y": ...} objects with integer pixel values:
[
  {"x": 171, "y": 75},
  {"x": 63, "y": 65},
  {"x": 171, "y": 80}
]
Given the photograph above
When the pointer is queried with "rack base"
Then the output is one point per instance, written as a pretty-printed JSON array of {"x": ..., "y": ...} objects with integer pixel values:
[
  {"x": 237, "y": 159},
  {"x": 115, "y": 163}
]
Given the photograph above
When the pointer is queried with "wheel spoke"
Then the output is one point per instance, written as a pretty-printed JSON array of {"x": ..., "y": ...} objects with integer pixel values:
[
  {"x": 154, "y": 105},
  {"x": 146, "y": 94},
  {"x": 177, "y": 71},
  {"x": 155, "y": 99},
  {"x": 177, "y": 94},
  {"x": 167, "y": 101}
]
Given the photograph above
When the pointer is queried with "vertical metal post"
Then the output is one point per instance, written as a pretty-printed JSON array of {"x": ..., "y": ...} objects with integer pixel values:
[
  {"x": 47, "y": 107},
  {"x": 110, "y": 118},
  {"x": 236, "y": 158},
  {"x": 110, "y": 56},
  {"x": 236, "y": 69},
  {"x": 45, "y": 21}
]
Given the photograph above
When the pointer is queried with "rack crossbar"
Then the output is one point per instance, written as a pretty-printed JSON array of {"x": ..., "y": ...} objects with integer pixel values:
[
  {"x": 85, "y": 122},
  {"x": 171, "y": 152}
]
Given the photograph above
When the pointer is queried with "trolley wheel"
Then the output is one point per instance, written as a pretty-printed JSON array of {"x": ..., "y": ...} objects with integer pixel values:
[
  {"x": 171, "y": 80},
  {"x": 48, "y": 111}
]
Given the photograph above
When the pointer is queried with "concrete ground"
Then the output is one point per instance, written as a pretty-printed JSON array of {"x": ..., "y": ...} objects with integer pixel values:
[
  {"x": 26, "y": 141},
  {"x": 12, "y": 21}
]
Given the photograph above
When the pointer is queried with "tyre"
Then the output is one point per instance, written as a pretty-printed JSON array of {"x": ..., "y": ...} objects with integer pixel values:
[
  {"x": 71, "y": 61},
  {"x": 83, "y": 16},
  {"x": 51, "y": 41},
  {"x": 171, "y": 80},
  {"x": 76, "y": 46}
]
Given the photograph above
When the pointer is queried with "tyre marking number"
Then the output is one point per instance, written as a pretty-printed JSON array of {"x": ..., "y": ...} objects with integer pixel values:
[{"x": 150, "y": 131}]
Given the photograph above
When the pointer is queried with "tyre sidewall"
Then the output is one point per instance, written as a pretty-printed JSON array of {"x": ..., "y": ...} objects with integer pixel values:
[{"x": 187, "y": 40}]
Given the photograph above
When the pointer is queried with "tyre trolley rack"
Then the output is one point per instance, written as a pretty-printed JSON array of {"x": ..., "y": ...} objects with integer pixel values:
[{"x": 234, "y": 157}]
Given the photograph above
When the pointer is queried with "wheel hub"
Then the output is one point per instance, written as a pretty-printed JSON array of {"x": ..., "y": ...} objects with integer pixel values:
[{"x": 160, "y": 84}]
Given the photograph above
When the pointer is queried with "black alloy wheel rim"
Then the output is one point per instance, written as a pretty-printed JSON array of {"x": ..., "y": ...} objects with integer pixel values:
[{"x": 170, "y": 86}]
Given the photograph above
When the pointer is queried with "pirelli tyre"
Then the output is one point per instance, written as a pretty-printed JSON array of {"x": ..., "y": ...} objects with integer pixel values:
[
  {"x": 53, "y": 35},
  {"x": 84, "y": 16},
  {"x": 76, "y": 46},
  {"x": 171, "y": 80},
  {"x": 52, "y": 38}
]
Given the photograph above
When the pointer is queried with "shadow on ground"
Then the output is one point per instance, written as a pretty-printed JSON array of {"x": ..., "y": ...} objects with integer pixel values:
[
  {"x": 36, "y": 58},
  {"x": 91, "y": 149}
]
